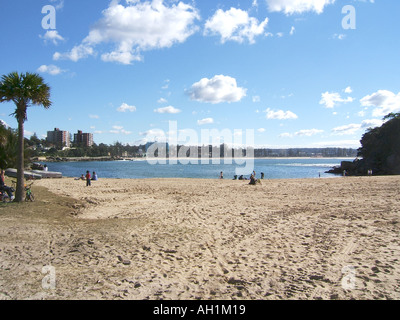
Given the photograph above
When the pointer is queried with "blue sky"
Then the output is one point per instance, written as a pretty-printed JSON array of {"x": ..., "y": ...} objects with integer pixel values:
[{"x": 286, "y": 69}]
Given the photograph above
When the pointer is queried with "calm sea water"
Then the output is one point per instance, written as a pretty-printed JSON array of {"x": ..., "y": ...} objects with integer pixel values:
[{"x": 272, "y": 168}]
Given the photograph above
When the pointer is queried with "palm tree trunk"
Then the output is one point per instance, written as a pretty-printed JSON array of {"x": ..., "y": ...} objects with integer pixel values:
[{"x": 19, "y": 194}]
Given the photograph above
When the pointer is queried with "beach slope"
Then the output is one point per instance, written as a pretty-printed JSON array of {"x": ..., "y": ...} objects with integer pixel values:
[{"x": 208, "y": 239}]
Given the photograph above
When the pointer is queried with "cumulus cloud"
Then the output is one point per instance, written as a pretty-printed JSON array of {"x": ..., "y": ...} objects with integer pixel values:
[
  {"x": 348, "y": 90},
  {"x": 384, "y": 102},
  {"x": 280, "y": 114},
  {"x": 137, "y": 27},
  {"x": 125, "y": 108},
  {"x": 77, "y": 53},
  {"x": 50, "y": 69},
  {"x": 332, "y": 99},
  {"x": 235, "y": 25},
  {"x": 153, "y": 135},
  {"x": 298, "y": 6},
  {"x": 217, "y": 90},
  {"x": 205, "y": 121},
  {"x": 169, "y": 109},
  {"x": 52, "y": 36}
]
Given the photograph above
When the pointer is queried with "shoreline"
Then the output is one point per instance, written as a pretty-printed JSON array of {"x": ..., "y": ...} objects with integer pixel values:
[{"x": 88, "y": 159}]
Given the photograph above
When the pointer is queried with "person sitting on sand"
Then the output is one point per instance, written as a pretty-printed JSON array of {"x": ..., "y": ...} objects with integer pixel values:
[
  {"x": 253, "y": 180},
  {"x": 221, "y": 175},
  {"x": 94, "y": 176},
  {"x": 4, "y": 187}
]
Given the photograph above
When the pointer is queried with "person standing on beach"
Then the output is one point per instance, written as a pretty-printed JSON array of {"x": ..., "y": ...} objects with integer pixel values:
[
  {"x": 88, "y": 178},
  {"x": 221, "y": 175}
]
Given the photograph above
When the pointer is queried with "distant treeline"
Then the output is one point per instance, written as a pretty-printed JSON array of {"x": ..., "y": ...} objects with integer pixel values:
[{"x": 36, "y": 147}]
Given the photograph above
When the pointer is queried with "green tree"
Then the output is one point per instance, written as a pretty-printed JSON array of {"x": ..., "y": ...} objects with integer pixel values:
[
  {"x": 24, "y": 90},
  {"x": 380, "y": 147}
]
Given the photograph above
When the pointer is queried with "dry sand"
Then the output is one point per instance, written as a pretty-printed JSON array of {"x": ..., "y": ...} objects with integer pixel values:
[{"x": 208, "y": 239}]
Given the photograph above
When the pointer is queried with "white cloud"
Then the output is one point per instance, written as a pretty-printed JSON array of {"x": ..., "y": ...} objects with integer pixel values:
[
  {"x": 50, "y": 69},
  {"x": 384, "y": 102},
  {"x": 162, "y": 100},
  {"x": 77, "y": 53},
  {"x": 331, "y": 99},
  {"x": 52, "y": 36},
  {"x": 169, "y": 109},
  {"x": 286, "y": 135},
  {"x": 94, "y": 116},
  {"x": 280, "y": 114},
  {"x": 308, "y": 132},
  {"x": 235, "y": 25},
  {"x": 166, "y": 85},
  {"x": 137, "y": 27},
  {"x": 205, "y": 121},
  {"x": 292, "y": 30},
  {"x": 301, "y": 133},
  {"x": 120, "y": 130},
  {"x": 261, "y": 130},
  {"x": 4, "y": 123},
  {"x": 217, "y": 90},
  {"x": 153, "y": 135},
  {"x": 372, "y": 123},
  {"x": 348, "y": 90},
  {"x": 298, "y": 6},
  {"x": 125, "y": 107},
  {"x": 28, "y": 133},
  {"x": 339, "y": 36},
  {"x": 347, "y": 129},
  {"x": 59, "y": 4},
  {"x": 354, "y": 127}
]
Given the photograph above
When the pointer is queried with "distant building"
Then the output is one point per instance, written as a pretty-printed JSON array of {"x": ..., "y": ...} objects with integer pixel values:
[
  {"x": 59, "y": 138},
  {"x": 83, "y": 139}
]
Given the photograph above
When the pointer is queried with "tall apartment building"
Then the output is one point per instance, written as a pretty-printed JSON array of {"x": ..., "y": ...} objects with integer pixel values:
[
  {"x": 83, "y": 139},
  {"x": 59, "y": 138}
]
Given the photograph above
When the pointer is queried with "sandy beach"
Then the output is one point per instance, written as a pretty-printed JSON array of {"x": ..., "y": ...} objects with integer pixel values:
[{"x": 179, "y": 239}]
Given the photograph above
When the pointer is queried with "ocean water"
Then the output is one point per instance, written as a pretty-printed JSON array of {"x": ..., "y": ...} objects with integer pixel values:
[{"x": 292, "y": 168}]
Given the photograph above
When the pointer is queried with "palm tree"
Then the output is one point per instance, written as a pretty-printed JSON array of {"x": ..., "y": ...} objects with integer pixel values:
[{"x": 24, "y": 90}]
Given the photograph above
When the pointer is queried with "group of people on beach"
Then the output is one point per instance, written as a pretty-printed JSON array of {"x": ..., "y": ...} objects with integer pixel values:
[
  {"x": 88, "y": 177},
  {"x": 253, "y": 179}
]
